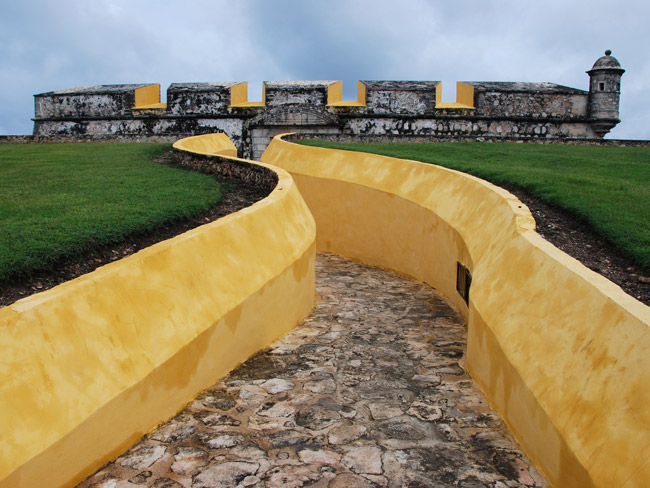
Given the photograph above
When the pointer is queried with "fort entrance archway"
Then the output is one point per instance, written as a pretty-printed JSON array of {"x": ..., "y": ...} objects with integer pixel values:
[{"x": 283, "y": 119}]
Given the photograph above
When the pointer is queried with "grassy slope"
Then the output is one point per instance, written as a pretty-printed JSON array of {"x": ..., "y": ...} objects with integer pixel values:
[
  {"x": 607, "y": 186},
  {"x": 59, "y": 200}
]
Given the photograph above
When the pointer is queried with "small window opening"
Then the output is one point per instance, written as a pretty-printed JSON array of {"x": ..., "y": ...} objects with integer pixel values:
[
  {"x": 601, "y": 86},
  {"x": 463, "y": 281}
]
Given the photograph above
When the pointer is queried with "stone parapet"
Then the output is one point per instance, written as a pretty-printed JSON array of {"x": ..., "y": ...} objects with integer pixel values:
[
  {"x": 382, "y": 108},
  {"x": 415, "y": 98},
  {"x": 303, "y": 93},
  {"x": 98, "y": 101},
  {"x": 530, "y": 100},
  {"x": 196, "y": 99}
]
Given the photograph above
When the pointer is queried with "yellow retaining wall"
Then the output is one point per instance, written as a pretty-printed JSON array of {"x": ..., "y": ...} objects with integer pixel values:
[
  {"x": 90, "y": 366},
  {"x": 562, "y": 353},
  {"x": 209, "y": 144}
]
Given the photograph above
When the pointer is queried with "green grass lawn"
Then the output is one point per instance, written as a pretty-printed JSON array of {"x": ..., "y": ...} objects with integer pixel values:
[
  {"x": 59, "y": 200},
  {"x": 609, "y": 187}
]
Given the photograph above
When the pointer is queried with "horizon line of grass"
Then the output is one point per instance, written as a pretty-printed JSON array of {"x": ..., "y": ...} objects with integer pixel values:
[
  {"x": 60, "y": 200},
  {"x": 608, "y": 187}
]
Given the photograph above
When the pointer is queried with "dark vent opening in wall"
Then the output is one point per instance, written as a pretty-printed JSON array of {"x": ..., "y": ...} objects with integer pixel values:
[{"x": 463, "y": 281}]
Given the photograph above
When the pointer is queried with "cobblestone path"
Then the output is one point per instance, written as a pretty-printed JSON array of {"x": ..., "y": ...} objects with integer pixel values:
[{"x": 370, "y": 390}]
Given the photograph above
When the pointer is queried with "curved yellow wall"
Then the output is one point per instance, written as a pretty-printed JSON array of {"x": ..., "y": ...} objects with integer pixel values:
[
  {"x": 562, "y": 353},
  {"x": 90, "y": 366},
  {"x": 208, "y": 144}
]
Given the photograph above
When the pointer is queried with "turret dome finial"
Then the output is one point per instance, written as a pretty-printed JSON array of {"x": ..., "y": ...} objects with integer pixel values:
[{"x": 608, "y": 52}]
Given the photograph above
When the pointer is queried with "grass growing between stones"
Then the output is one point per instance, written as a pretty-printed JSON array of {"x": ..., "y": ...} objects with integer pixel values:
[
  {"x": 609, "y": 187},
  {"x": 60, "y": 200}
]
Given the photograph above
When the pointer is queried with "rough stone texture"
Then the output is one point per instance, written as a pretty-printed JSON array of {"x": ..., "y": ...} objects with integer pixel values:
[
  {"x": 310, "y": 93},
  {"x": 396, "y": 407},
  {"x": 103, "y": 101},
  {"x": 187, "y": 99},
  {"x": 526, "y": 111},
  {"x": 14, "y": 139},
  {"x": 464, "y": 126},
  {"x": 400, "y": 98},
  {"x": 259, "y": 176},
  {"x": 140, "y": 127},
  {"x": 261, "y": 136},
  {"x": 530, "y": 100}
]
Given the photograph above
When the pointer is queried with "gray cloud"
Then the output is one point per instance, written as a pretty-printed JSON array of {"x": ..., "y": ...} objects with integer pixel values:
[{"x": 48, "y": 46}]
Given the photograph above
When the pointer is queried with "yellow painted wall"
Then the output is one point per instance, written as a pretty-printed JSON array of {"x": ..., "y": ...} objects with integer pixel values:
[
  {"x": 335, "y": 96},
  {"x": 464, "y": 96},
  {"x": 561, "y": 352},
  {"x": 91, "y": 365},
  {"x": 208, "y": 144},
  {"x": 335, "y": 93},
  {"x": 239, "y": 96},
  {"x": 148, "y": 97}
]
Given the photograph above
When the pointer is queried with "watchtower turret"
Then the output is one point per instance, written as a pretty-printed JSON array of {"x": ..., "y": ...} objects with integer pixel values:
[{"x": 604, "y": 93}]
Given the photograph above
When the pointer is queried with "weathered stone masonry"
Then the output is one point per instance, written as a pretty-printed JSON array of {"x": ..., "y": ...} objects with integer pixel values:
[{"x": 383, "y": 109}]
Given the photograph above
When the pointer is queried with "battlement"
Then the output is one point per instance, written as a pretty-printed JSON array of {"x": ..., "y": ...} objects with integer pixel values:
[
  {"x": 389, "y": 109},
  {"x": 87, "y": 102},
  {"x": 374, "y": 97}
]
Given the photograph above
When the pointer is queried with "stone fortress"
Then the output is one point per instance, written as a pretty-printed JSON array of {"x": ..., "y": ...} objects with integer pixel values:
[{"x": 383, "y": 110}]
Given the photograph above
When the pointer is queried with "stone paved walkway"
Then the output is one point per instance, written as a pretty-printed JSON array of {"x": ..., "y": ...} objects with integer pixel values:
[{"x": 370, "y": 390}]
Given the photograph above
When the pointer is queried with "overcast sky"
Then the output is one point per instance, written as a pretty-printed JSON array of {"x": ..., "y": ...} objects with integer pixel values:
[{"x": 48, "y": 45}]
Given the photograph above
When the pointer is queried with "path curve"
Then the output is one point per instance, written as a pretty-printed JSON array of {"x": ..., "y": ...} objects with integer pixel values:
[{"x": 370, "y": 390}]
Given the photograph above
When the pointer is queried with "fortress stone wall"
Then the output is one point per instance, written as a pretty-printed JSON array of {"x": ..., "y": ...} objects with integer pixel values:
[{"x": 383, "y": 109}]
